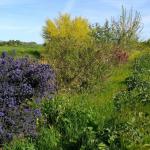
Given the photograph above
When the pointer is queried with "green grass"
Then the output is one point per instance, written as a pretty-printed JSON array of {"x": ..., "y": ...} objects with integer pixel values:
[{"x": 23, "y": 50}]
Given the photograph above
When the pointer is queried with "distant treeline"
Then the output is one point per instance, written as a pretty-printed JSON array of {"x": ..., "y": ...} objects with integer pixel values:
[{"x": 16, "y": 43}]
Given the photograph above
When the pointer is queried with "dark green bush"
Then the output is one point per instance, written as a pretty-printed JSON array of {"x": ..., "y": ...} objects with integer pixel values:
[{"x": 35, "y": 53}]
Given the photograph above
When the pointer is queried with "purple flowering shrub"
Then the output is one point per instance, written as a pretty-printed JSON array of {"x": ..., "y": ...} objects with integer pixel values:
[{"x": 21, "y": 81}]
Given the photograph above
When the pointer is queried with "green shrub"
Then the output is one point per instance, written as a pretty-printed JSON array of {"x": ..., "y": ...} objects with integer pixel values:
[
  {"x": 76, "y": 124},
  {"x": 142, "y": 68},
  {"x": 132, "y": 113},
  {"x": 48, "y": 139},
  {"x": 69, "y": 47},
  {"x": 20, "y": 144},
  {"x": 35, "y": 53}
]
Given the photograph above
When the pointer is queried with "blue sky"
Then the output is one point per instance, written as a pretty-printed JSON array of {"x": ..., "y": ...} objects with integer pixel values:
[{"x": 24, "y": 19}]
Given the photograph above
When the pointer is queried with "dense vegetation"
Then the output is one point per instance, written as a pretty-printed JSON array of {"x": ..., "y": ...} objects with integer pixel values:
[{"x": 95, "y": 95}]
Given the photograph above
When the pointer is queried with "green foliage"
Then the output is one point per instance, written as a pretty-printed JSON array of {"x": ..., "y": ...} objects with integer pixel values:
[
  {"x": 35, "y": 53},
  {"x": 103, "y": 34},
  {"x": 20, "y": 144},
  {"x": 48, "y": 139},
  {"x": 132, "y": 108},
  {"x": 76, "y": 124}
]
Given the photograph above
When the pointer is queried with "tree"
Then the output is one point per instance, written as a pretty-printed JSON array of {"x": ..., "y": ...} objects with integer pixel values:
[
  {"x": 119, "y": 32},
  {"x": 68, "y": 48},
  {"x": 103, "y": 34},
  {"x": 66, "y": 28},
  {"x": 128, "y": 27}
]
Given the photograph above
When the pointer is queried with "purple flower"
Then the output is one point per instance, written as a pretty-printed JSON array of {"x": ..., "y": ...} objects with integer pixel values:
[
  {"x": 37, "y": 113},
  {"x": 1, "y": 114},
  {"x": 9, "y": 136},
  {"x": 26, "y": 110},
  {"x": 20, "y": 81}
]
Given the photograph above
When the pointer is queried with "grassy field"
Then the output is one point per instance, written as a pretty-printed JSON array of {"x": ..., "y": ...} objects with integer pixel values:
[{"x": 23, "y": 50}]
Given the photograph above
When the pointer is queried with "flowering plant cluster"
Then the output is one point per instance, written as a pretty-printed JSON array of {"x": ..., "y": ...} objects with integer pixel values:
[
  {"x": 21, "y": 81},
  {"x": 120, "y": 56}
]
